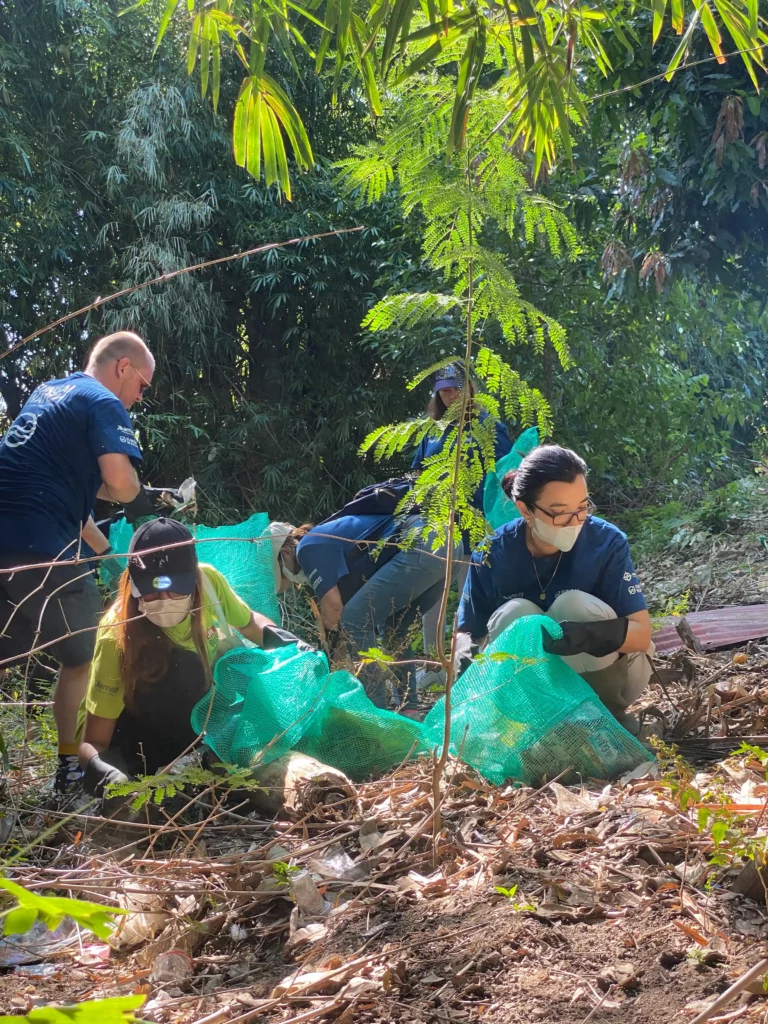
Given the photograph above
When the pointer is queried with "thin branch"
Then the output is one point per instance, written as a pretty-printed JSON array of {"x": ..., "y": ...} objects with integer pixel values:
[{"x": 175, "y": 273}]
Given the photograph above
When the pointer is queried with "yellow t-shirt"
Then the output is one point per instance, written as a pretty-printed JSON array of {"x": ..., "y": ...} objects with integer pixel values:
[{"x": 104, "y": 696}]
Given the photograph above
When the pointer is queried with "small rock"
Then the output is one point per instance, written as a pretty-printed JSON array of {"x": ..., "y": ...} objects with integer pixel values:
[
  {"x": 671, "y": 958},
  {"x": 623, "y": 974}
]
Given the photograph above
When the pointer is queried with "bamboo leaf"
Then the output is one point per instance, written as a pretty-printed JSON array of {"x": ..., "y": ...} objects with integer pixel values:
[
  {"x": 204, "y": 57},
  {"x": 215, "y": 42},
  {"x": 678, "y": 16},
  {"x": 659, "y": 6},
  {"x": 170, "y": 9},
  {"x": 713, "y": 33},
  {"x": 270, "y": 139},
  {"x": 398, "y": 22},
  {"x": 556, "y": 96},
  {"x": 291, "y": 123},
  {"x": 194, "y": 42},
  {"x": 240, "y": 126},
  {"x": 682, "y": 48},
  {"x": 253, "y": 138}
]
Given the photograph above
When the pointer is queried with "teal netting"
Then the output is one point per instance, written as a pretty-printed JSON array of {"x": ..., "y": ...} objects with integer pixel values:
[
  {"x": 497, "y": 507},
  {"x": 518, "y": 713},
  {"x": 247, "y": 566}
]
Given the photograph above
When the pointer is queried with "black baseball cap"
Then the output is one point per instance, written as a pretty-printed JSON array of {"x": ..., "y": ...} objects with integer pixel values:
[{"x": 173, "y": 569}]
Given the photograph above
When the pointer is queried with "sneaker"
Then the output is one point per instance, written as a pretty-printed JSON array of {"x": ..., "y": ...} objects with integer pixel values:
[
  {"x": 69, "y": 774},
  {"x": 427, "y": 677}
]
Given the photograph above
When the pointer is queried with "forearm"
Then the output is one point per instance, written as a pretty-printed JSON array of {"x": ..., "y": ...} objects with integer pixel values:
[
  {"x": 93, "y": 537},
  {"x": 254, "y": 631},
  {"x": 638, "y": 636},
  {"x": 88, "y": 750},
  {"x": 331, "y": 607},
  {"x": 120, "y": 491}
]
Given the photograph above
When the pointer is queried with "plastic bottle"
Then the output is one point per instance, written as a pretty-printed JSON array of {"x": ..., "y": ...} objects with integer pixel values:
[
  {"x": 309, "y": 899},
  {"x": 173, "y": 967}
]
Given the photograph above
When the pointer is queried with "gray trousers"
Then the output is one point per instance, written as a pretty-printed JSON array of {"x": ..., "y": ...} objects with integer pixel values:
[{"x": 617, "y": 679}]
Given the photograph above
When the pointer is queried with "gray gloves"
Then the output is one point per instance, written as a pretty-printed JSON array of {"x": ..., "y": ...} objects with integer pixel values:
[
  {"x": 99, "y": 774},
  {"x": 464, "y": 651}
]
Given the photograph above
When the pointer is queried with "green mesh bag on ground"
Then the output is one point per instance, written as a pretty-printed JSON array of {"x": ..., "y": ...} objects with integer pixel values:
[
  {"x": 518, "y": 714},
  {"x": 246, "y": 566},
  {"x": 497, "y": 507},
  {"x": 269, "y": 702}
]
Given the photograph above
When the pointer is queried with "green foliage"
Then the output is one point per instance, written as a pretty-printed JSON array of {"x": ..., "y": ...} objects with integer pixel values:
[
  {"x": 52, "y": 910},
  {"x": 163, "y": 786},
  {"x": 510, "y": 895},
  {"x": 101, "y": 1011},
  {"x": 283, "y": 871},
  {"x": 538, "y": 54}
]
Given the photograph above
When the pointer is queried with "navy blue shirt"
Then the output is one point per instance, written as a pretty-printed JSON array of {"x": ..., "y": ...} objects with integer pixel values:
[
  {"x": 329, "y": 553},
  {"x": 429, "y": 446},
  {"x": 599, "y": 563},
  {"x": 49, "y": 470}
]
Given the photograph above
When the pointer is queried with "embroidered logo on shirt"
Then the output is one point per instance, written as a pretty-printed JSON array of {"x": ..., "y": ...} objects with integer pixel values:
[{"x": 627, "y": 576}]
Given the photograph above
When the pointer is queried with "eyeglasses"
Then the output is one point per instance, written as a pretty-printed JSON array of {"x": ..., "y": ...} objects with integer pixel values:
[
  {"x": 145, "y": 385},
  {"x": 566, "y": 518}
]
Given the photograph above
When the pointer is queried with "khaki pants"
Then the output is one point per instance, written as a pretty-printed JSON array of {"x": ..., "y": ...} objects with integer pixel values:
[{"x": 617, "y": 679}]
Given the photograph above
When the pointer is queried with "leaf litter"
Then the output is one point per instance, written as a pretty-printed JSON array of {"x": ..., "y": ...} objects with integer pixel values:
[{"x": 640, "y": 900}]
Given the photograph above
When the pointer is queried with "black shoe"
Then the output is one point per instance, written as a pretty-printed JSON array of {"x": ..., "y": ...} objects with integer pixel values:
[{"x": 69, "y": 774}]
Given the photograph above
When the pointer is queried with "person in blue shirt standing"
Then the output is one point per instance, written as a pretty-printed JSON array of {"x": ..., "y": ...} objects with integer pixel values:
[
  {"x": 449, "y": 384},
  {"x": 71, "y": 442},
  {"x": 561, "y": 560},
  {"x": 366, "y": 586}
]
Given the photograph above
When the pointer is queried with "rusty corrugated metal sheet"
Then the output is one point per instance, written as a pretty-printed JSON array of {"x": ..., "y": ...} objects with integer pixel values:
[{"x": 719, "y": 627}]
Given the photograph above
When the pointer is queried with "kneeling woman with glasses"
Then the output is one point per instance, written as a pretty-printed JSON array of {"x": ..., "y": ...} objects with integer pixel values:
[{"x": 560, "y": 560}]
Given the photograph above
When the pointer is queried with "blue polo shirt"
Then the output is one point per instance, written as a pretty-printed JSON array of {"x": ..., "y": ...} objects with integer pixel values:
[
  {"x": 49, "y": 469},
  {"x": 330, "y": 554},
  {"x": 599, "y": 563},
  {"x": 429, "y": 446}
]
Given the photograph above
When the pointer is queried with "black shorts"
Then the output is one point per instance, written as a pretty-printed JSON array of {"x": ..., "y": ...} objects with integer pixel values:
[{"x": 39, "y": 606}]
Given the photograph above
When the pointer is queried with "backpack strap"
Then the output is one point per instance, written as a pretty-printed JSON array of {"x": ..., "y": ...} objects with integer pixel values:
[{"x": 213, "y": 598}]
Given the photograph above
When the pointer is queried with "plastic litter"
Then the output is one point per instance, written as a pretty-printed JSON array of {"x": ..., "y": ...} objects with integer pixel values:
[
  {"x": 497, "y": 507},
  {"x": 173, "y": 967},
  {"x": 309, "y": 899},
  {"x": 37, "y": 944}
]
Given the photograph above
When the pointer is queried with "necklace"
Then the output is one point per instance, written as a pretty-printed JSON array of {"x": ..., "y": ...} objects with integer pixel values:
[{"x": 543, "y": 589}]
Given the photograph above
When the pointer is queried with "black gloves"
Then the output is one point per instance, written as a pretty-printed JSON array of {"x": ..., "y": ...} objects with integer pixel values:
[
  {"x": 150, "y": 501},
  {"x": 595, "y": 638},
  {"x": 141, "y": 506},
  {"x": 276, "y": 637},
  {"x": 99, "y": 774},
  {"x": 464, "y": 652},
  {"x": 158, "y": 496}
]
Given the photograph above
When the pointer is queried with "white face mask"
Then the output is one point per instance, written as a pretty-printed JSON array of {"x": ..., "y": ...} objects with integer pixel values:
[
  {"x": 168, "y": 612},
  {"x": 561, "y": 537},
  {"x": 293, "y": 577}
]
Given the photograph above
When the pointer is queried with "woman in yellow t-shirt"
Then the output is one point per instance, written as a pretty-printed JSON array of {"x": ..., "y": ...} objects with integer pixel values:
[{"x": 154, "y": 651}]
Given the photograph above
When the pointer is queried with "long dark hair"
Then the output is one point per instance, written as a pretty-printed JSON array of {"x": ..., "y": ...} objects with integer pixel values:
[
  {"x": 436, "y": 407},
  {"x": 544, "y": 465},
  {"x": 144, "y": 649}
]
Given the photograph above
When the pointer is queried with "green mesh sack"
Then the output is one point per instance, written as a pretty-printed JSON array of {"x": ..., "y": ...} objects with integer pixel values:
[
  {"x": 247, "y": 567},
  {"x": 269, "y": 702},
  {"x": 497, "y": 507},
  {"x": 520, "y": 713}
]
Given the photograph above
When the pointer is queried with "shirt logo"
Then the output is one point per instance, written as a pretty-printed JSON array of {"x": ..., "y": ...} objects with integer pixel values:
[
  {"x": 21, "y": 430},
  {"x": 162, "y": 582},
  {"x": 627, "y": 576}
]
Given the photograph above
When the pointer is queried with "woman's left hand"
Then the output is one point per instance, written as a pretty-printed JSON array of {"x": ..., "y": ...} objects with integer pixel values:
[{"x": 599, "y": 638}]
